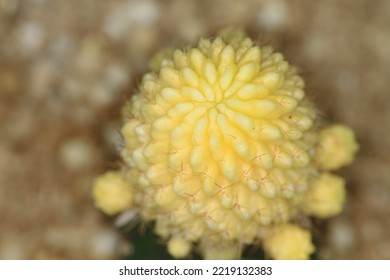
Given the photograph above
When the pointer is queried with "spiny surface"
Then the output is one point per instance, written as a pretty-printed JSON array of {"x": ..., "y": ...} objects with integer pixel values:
[{"x": 219, "y": 141}]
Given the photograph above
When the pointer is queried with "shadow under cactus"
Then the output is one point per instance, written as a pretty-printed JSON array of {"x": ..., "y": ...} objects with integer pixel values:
[{"x": 148, "y": 246}]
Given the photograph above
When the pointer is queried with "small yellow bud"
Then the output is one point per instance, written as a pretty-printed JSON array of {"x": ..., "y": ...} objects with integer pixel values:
[
  {"x": 288, "y": 242},
  {"x": 179, "y": 247},
  {"x": 111, "y": 193},
  {"x": 337, "y": 147},
  {"x": 326, "y": 196}
]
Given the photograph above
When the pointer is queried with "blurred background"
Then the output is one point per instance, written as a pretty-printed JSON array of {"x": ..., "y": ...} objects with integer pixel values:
[{"x": 66, "y": 66}]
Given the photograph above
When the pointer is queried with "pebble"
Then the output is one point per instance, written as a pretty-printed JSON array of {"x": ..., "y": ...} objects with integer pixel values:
[
  {"x": 342, "y": 235},
  {"x": 76, "y": 154},
  {"x": 143, "y": 12},
  {"x": 105, "y": 244},
  {"x": 117, "y": 76},
  {"x": 124, "y": 17},
  {"x": 273, "y": 15},
  {"x": 30, "y": 37}
]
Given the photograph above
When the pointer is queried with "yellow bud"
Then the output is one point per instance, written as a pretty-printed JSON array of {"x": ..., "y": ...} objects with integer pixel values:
[
  {"x": 112, "y": 193},
  {"x": 288, "y": 242},
  {"x": 337, "y": 147},
  {"x": 179, "y": 247},
  {"x": 326, "y": 196}
]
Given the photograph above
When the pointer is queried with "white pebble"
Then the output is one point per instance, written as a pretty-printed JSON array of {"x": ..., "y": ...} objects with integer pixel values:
[
  {"x": 273, "y": 15},
  {"x": 117, "y": 76},
  {"x": 30, "y": 36},
  {"x": 100, "y": 96},
  {"x": 105, "y": 244},
  {"x": 121, "y": 19},
  {"x": 142, "y": 12},
  {"x": 342, "y": 235},
  {"x": 76, "y": 154}
]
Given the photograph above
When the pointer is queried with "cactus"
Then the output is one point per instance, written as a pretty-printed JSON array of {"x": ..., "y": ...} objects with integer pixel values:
[{"x": 223, "y": 149}]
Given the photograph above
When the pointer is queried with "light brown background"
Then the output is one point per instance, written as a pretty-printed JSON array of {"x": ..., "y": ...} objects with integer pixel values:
[{"x": 67, "y": 65}]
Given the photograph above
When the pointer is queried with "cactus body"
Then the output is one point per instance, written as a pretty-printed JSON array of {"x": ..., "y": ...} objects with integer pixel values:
[{"x": 221, "y": 150}]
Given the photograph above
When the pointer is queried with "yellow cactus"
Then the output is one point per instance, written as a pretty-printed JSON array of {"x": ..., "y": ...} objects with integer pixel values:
[{"x": 220, "y": 142}]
